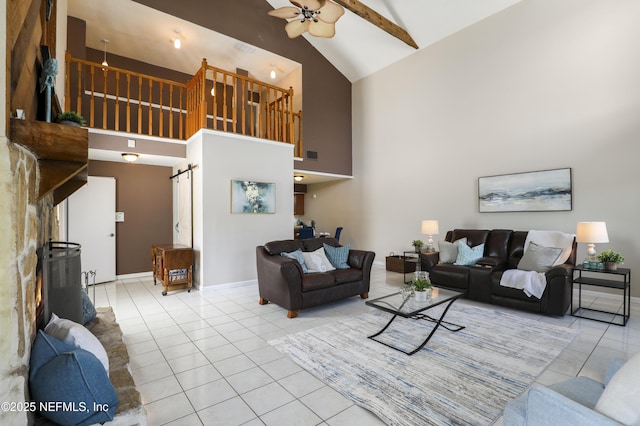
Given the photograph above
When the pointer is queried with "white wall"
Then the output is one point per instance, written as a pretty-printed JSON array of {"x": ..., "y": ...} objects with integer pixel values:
[
  {"x": 544, "y": 84},
  {"x": 224, "y": 242}
]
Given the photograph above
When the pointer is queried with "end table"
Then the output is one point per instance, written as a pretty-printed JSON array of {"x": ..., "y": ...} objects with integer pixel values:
[{"x": 619, "y": 279}]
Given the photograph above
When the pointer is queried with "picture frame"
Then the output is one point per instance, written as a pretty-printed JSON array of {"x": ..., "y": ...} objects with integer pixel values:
[
  {"x": 253, "y": 197},
  {"x": 544, "y": 190}
]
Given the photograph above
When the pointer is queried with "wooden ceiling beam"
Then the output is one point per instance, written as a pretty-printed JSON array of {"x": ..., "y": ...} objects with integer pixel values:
[{"x": 378, "y": 20}]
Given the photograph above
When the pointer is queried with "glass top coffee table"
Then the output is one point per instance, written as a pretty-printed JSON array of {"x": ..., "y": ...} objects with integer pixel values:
[{"x": 403, "y": 305}]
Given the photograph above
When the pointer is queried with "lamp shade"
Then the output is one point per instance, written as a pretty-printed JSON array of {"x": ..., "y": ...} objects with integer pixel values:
[
  {"x": 592, "y": 232},
  {"x": 430, "y": 227}
]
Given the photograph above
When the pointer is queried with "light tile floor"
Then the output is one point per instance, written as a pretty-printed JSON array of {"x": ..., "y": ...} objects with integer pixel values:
[{"x": 202, "y": 358}]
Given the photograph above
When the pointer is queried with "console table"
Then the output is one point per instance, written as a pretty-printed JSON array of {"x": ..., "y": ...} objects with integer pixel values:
[
  {"x": 619, "y": 279},
  {"x": 172, "y": 265}
]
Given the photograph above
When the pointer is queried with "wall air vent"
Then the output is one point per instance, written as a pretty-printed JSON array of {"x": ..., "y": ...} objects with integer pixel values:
[{"x": 313, "y": 155}]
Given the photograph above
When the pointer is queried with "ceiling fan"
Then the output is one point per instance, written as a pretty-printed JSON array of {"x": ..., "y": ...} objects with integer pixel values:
[{"x": 318, "y": 17}]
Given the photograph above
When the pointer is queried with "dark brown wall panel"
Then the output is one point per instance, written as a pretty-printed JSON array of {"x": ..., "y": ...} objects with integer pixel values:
[
  {"x": 144, "y": 194},
  {"x": 326, "y": 101}
]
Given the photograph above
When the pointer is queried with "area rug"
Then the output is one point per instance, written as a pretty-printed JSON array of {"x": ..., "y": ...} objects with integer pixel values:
[{"x": 462, "y": 378}]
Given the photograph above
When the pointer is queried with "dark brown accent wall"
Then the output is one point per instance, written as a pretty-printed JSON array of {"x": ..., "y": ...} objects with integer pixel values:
[
  {"x": 144, "y": 194},
  {"x": 326, "y": 103}
]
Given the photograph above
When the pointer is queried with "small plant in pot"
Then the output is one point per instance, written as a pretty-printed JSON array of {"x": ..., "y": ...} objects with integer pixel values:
[
  {"x": 611, "y": 259},
  {"x": 417, "y": 244},
  {"x": 422, "y": 289},
  {"x": 71, "y": 118}
]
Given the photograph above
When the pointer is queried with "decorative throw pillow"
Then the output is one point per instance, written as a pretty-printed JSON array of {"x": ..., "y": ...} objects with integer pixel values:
[
  {"x": 620, "y": 397},
  {"x": 538, "y": 258},
  {"x": 317, "y": 261},
  {"x": 76, "y": 379},
  {"x": 75, "y": 334},
  {"x": 338, "y": 256},
  {"x": 449, "y": 251},
  {"x": 297, "y": 255},
  {"x": 468, "y": 255},
  {"x": 88, "y": 310},
  {"x": 44, "y": 349}
]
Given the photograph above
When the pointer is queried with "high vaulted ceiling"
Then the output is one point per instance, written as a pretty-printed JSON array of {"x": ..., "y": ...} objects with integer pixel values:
[{"x": 358, "y": 49}]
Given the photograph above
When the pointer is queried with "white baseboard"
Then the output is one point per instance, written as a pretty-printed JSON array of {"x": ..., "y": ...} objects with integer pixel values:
[{"x": 136, "y": 275}]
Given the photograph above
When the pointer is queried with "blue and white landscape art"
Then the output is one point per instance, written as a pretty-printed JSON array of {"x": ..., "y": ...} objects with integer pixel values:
[{"x": 548, "y": 190}]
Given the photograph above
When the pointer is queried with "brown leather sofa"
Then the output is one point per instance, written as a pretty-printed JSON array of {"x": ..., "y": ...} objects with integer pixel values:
[
  {"x": 281, "y": 280},
  {"x": 503, "y": 250}
]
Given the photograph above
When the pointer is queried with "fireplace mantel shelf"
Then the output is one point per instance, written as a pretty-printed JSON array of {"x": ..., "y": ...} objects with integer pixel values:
[{"x": 62, "y": 153}]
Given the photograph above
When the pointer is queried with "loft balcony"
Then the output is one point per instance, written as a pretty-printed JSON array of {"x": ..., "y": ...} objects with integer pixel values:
[{"x": 112, "y": 98}]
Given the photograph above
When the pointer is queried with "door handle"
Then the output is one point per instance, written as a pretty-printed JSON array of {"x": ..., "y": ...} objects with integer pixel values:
[{"x": 112, "y": 234}]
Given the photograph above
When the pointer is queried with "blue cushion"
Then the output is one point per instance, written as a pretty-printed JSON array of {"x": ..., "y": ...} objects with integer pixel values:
[
  {"x": 468, "y": 255},
  {"x": 44, "y": 349},
  {"x": 297, "y": 255},
  {"x": 88, "y": 310},
  {"x": 337, "y": 255},
  {"x": 75, "y": 389}
]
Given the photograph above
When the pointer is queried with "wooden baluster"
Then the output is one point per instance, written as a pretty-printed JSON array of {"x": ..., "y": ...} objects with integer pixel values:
[
  {"x": 243, "y": 104},
  {"x": 128, "y": 103},
  {"x": 234, "y": 105},
  {"x": 104, "y": 99},
  {"x": 139, "y": 105},
  {"x": 91, "y": 99},
  {"x": 171, "y": 135},
  {"x": 180, "y": 134},
  {"x": 161, "y": 111},
  {"x": 252, "y": 121},
  {"x": 224, "y": 103},
  {"x": 290, "y": 115},
  {"x": 150, "y": 108},
  {"x": 300, "y": 149},
  {"x": 215, "y": 102},
  {"x": 117, "y": 107}
]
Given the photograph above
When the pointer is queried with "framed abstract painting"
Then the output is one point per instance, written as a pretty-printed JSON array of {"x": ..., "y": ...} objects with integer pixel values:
[
  {"x": 545, "y": 190},
  {"x": 253, "y": 197}
]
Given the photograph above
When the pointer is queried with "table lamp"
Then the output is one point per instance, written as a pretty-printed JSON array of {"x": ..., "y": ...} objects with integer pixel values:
[
  {"x": 591, "y": 233},
  {"x": 430, "y": 228}
]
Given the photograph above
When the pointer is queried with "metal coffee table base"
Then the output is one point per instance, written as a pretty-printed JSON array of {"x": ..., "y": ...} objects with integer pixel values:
[{"x": 438, "y": 322}]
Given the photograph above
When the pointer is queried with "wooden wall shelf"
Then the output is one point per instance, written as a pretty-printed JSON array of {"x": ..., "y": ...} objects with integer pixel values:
[{"x": 62, "y": 152}]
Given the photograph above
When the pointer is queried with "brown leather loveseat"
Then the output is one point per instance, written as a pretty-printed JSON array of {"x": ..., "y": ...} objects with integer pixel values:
[
  {"x": 503, "y": 249},
  {"x": 282, "y": 281}
]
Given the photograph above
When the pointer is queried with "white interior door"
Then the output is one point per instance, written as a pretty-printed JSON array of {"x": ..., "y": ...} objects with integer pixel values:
[{"x": 92, "y": 223}]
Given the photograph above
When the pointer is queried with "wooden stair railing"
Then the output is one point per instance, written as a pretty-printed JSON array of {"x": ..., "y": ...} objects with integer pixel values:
[{"x": 116, "y": 99}]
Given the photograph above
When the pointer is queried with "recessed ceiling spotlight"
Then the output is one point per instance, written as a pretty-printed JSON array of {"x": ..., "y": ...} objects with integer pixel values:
[{"x": 177, "y": 43}]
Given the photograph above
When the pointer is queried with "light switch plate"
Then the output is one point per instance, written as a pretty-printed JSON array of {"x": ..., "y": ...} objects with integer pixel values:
[
  {"x": 119, "y": 216},
  {"x": 132, "y": 143}
]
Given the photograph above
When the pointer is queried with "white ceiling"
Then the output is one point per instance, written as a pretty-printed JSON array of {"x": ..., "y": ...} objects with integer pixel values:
[{"x": 358, "y": 49}]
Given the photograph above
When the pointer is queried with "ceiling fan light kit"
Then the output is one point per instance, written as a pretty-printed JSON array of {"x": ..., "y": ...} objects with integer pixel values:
[{"x": 318, "y": 17}]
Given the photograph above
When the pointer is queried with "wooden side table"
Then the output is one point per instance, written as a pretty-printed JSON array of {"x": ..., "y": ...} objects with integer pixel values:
[
  {"x": 620, "y": 279},
  {"x": 172, "y": 265}
]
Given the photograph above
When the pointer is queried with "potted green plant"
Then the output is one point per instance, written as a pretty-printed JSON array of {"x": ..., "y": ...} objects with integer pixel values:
[
  {"x": 422, "y": 289},
  {"x": 611, "y": 259},
  {"x": 417, "y": 244},
  {"x": 71, "y": 118}
]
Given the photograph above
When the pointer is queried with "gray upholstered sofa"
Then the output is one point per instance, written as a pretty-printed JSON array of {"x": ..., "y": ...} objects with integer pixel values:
[{"x": 581, "y": 400}]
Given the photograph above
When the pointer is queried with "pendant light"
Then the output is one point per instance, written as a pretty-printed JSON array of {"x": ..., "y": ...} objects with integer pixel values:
[{"x": 104, "y": 62}]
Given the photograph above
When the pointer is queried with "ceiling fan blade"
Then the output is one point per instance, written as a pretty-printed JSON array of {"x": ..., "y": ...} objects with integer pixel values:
[
  {"x": 296, "y": 28},
  {"x": 322, "y": 29},
  {"x": 330, "y": 12},
  {"x": 286, "y": 12},
  {"x": 310, "y": 4}
]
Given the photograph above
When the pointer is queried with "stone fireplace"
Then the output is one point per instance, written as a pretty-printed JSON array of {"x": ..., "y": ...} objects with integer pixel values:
[{"x": 26, "y": 224}]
